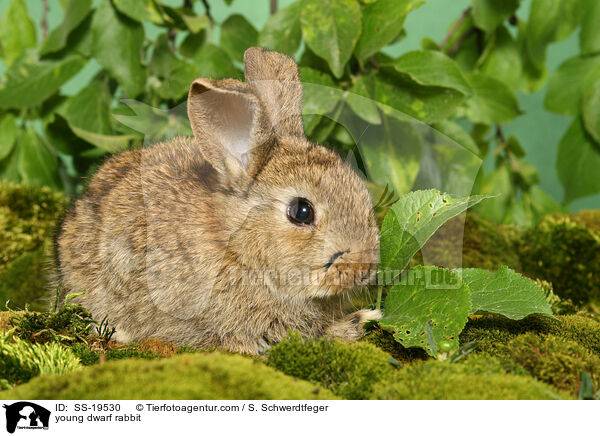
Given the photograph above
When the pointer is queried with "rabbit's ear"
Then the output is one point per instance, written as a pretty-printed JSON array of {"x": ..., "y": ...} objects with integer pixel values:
[
  {"x": 228, "y": 120},
  {"x": 276, "y": 80}
]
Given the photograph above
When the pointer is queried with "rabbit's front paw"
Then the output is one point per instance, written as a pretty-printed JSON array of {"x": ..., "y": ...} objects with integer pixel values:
[{"x": 350, "y": 327}]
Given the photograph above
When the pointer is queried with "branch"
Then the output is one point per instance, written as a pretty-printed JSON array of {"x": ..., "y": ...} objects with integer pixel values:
[
  {"x": 207, "y": 8},
  {"x": 455, "y": 27},
  {"x": 500, "y": 134},
  {"x": 172, "y": 34},
  {"x": 45, "y": 18},
  {"x": 273, "y": 7},
  {"x": 460, "y": 40}
]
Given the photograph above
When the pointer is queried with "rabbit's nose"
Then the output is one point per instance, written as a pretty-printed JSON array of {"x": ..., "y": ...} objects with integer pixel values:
[{"x": 335, "y": 256}]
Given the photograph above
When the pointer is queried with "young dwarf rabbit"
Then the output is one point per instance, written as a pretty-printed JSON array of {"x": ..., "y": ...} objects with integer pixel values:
[{"x": 228, "y": 239}]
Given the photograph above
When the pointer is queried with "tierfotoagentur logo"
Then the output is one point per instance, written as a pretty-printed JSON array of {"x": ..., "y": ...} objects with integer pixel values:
[{"x": 24, "y": 415}]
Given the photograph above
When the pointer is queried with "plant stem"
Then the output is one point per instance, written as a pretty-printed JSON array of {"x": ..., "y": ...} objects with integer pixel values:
[
  {"x": 273, "y": 6},
  {"x": 172, "y": 34},
  {"x": 207, "y": 8},
  {"x": 379, "y": 295},
  {"x": 454, "y": 28},
  {"x": 500, "y": 133},
  {"x": 45, "y": 18},
  {"x": 460, "y": 40}
]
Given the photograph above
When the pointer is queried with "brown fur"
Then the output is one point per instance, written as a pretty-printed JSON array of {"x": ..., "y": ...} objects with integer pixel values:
[{"x": 168, "y": 240}]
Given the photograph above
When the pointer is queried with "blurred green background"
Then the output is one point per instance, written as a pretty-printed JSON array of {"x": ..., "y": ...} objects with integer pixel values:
[{"x": 538, "y": 130}]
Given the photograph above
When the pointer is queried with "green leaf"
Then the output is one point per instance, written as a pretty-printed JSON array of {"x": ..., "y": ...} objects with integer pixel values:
[
  {"x": 90, "y": 108},
  {"x": 543, "y": 204},
  {"x": 320, "y": 92},
  {"x": 428, "y": 310},
  {"x": 502, "y": 58},
  {"x": 163, "y": 58},
  {"x": 577, "y": 163},
  {"x": 135, "y": 9},
  {"x": 117, "y": 46},
  {"x": 192, "y": 43},
  {"x": 155, "y": 124},
  {"x": 177, "y": 83},
  {"x": 505, "y": 293},
  {"x": 9, "y": 166},
  {"x": 549, "y": 20},
  {"x": 17, "y": 31},
  {"x": 195, "y": 23},
  {"x": 400, "y": 96},
  {"x": 8, "y": 134},
  {"x": 38, "y": 164},
  {"x": 331, "y": 29},
  {"x": 589, "y": 37},
  {"x": 148, "y": 121},
  {"x": 412, "y": 220},
  {"x": 489, "y": 14},
  {"x": 282, "y": 31},
  {"x": 74, "y": 15},
  {"x": 492, "y": 101},
  {"x": 591, "y": 103},
  {"x": 382, "y": 21},
  {"x": 392, "y": 154},
  {"x": 361, "y": 99},
  {"x": 432, "y": 68},
  {"x": 533, "y": 76},
  {"x": 455, "y": 132},
  {"x": 496, "y": 183},
  {"x": 31, "y": 84},
  {"x": 213, "y": 61},
  {"x": 586, "y": 390},
  {"x": 565, "y": 85},
  {"x": 108, "y": 143},
  {"x": 237, "y": 34},
  {"x": 61, "y": 138},
  {"x": 89, "y": 117}
]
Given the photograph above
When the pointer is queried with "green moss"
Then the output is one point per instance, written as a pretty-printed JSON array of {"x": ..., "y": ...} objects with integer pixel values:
[
  {"x": 493, "y": 332},
  {"x": 554, "y": 360},
  {"x": 89, "y": 357},
  {"x": 565, "y": 250},
  {"x": 24, "y": 281},
  {"x": 581, "y": 329},
  {"x": 471, "y": 242},
  {"x": 209, "y": 376},
  {"x": 348, "y": 370},
  {"x": 480, "y": 378},
  {"x": 70, "y": 323},
  {"x": 28, "y": 218},
  {"x": 21, "y": 360}
]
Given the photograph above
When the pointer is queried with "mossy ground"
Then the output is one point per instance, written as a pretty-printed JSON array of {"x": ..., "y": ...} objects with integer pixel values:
[{"x": 53, "y": 355}]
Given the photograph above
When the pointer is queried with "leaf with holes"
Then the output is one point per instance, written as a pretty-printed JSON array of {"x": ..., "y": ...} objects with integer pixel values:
[
  {"x": 427, "y": 309},
  {"x": 412, "y": 220}
]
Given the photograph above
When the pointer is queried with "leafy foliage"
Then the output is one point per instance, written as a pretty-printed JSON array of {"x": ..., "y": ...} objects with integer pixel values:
[
  {"x": 151, "y": 50},
  {"x": 428, "y": 307}
]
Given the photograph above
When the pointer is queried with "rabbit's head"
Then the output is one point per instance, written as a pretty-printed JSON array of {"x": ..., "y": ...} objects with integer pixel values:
[{"x": 299, "y": 219}]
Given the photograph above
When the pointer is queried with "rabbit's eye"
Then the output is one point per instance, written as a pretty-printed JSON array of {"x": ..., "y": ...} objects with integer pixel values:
[{"x": 301, "y": 212}]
